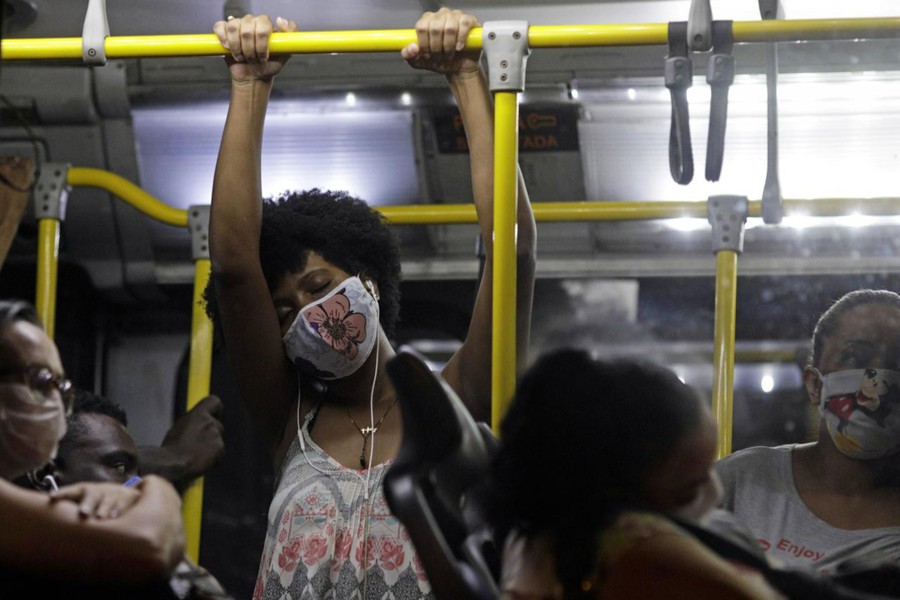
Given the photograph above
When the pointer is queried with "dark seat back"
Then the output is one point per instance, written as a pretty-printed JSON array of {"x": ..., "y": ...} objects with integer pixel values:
[{"x": 442, "y": 457}]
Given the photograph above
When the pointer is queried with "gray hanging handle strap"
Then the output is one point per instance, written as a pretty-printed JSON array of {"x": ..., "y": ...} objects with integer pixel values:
[
  {"x": 772, "y": 204},
  {"x": 678, "y": 74},
  {"x": 719, "y": 75}
]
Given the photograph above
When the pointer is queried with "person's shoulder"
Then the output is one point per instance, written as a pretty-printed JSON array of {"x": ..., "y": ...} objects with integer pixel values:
[
  {"x": 754, "y": 454},
  {"x": 644, "y": 523}
]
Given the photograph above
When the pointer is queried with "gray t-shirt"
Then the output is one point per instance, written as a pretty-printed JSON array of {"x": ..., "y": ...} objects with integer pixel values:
[{"x": 760, "y": 491}]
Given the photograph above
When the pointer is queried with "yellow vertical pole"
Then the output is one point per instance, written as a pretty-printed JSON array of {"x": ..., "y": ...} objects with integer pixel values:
[
  {"x": 49, "y": 198},
  {"x": 727, "y": 215},
  {"x": 723, "y": 347},
  {"x": 506, "y": 148},
  {"x": 198, "y": 388},
  {"x": 48, "y": 262}
]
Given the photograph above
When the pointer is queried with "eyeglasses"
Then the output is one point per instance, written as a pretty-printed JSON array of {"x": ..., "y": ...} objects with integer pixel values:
[{"x": 43, "y": 381}]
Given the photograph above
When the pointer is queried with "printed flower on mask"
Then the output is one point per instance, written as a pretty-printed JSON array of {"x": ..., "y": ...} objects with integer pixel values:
[{"x": 339, "y": 327}]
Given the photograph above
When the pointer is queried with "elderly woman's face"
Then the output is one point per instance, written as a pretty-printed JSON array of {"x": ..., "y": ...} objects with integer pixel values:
[{"x": 32, "y": 418}]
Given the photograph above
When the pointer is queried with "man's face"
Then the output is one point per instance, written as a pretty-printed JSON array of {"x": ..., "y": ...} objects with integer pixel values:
[{"x": 100, "y": 449}]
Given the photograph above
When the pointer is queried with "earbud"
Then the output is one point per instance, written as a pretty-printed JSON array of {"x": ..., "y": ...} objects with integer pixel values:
[{"x": 50, "y": 482}]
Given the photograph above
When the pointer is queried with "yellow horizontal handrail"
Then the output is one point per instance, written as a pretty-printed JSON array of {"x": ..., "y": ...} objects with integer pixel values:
[
  {"x": 548, "y": 212},
  {"x": 388, "y": 40},
  {"x": 426, "y": 214},
  {"x": 130, "y": 193}
]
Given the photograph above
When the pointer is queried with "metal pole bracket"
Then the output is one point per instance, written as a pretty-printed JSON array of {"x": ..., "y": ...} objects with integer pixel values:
[
  {"x": 51, "y": 191},
  {"x": 94, "y": 34},
  {"x": 505, "y": 45},
  {"x": 727, "y": 215},
  {"x": 771, "y": 9},
  {"x": 699, "y": 27},
  {"x": 198, "y": 224}
]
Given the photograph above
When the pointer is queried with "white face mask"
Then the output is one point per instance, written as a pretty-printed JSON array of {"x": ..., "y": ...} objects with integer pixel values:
[
  {"x": 709, "y": 496},
  {"x": 30, "y": 430},
  {"x": 332, "y": 337},
  {"x": 861, "y": 408}
]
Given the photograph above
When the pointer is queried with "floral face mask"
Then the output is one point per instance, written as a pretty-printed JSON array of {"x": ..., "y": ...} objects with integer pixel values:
[
  {"x": 861, "y": 408},
  {"x": 332, "y": 337}
]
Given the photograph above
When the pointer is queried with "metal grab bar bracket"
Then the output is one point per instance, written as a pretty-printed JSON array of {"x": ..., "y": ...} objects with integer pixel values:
[
  {"x": 699, "y": 26},
  {"x": 94, "y": 34},
  {"x": 198, "y": 224},
  {"x": 771, "y": 9},
  {"x": 51, "y": 191},
  {"x": 727, "y": 215},
  {"x": 505, "y": 45}
]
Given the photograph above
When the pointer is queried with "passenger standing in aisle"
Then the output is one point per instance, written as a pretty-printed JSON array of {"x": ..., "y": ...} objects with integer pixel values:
[{"x": 306, "y": 289}]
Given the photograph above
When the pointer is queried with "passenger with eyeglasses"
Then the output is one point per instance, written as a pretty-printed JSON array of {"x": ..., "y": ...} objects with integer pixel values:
[
  {"x": 43, "y": 384},
  {"x": 99, "y": 538}
]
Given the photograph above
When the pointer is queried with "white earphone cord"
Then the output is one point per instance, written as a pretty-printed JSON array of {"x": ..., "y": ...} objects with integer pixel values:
[{"x": 367, "y": 480}]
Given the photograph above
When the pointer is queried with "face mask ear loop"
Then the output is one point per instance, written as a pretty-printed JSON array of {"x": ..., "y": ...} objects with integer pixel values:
[
  {"x": 821, "y": 383},
  {"x": 372, "y": 422}
]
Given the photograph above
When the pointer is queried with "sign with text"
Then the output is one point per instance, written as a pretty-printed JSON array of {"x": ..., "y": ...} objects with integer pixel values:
[{"x": 542, "y": 128}]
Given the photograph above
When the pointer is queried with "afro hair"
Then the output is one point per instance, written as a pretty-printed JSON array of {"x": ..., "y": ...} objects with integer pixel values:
[{"x": 342, "y": 229}]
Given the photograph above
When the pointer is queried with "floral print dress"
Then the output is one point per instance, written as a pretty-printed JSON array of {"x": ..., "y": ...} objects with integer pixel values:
[{"x": 325, "y": 539}]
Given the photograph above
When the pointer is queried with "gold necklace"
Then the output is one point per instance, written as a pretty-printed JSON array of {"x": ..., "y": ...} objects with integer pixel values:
[{"x": 366, "y": 432}]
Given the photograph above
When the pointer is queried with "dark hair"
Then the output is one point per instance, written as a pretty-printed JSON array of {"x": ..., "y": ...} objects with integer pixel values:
[
  {"x": 86, "y": 403},
  {"x": 580, "y": 440},
  {"x": 89, "y": 403},
  {"x": 828, "y": 322},
  {"x": 12, "y": 311},
  {"x": 343, "y": 229}
]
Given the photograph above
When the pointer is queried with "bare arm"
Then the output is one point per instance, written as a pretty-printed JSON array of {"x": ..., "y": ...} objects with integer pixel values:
[
  {"x": 54, "y": 539},
  {"x": 469, "y": 371},
  {"x": 16, "y": 175},
  {"x": 248, "y": 317}
]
